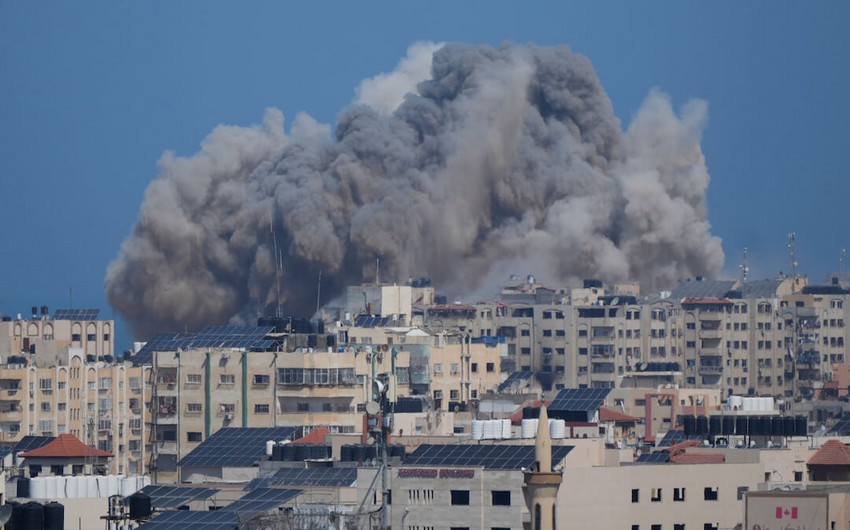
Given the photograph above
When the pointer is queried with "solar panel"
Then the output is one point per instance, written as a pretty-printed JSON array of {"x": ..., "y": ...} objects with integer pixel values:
[
  {"x": 676, "y": 436},
  {"x": 260, "y": 501},
  {"x": 654, "y": 458},
  {"x": 308, "y": 477},
  {"x": 579, "y": 399},
  {"x": 193, "y": 520},
  {"x": 76, "y": 314},
  {"x": 487, "y": 456},
  {"x": 515, "y": 379},
  {"x": 843, "y": 425},
  {"x": 174, "y": 496},
  {"x": 28, "y": 443},
  {"x": 235, "y": 447}
]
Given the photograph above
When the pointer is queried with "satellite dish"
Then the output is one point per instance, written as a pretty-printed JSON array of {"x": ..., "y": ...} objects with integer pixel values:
[
  {"x": 372, "y": 408},
  {"x": 5, "y": 513}
]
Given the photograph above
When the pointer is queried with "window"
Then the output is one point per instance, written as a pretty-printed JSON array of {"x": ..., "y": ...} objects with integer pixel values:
[
  {"x": 261, "y": 408},
  {"x": 635, "y": 495},
  {"x": 227, "y": 407},
  {"x": 678, "y": 494},
  {"x": 679, "y": 526},
  {"x": 193, "y": 437},
  {"x": 454, "y": 394},
  {"x": 303, "y": 407},
  {"x": 710, "y": 494},
  {"x": 656, "y": 495},
  {"x": 45, "y": 384},
  {"x": 501, "y": 498},
  {"x": 460, "y": 497},
  {"x": 45, "y": 406},
  {"x": 742, "y": 490},
  {"x": 656, "y": 527},
  {"x": 227, "y": 379},
  {"x": 709, "y": 526},
  {"x": 194, "y": 408},
  {"x": 327, "y": 407},
  {"x": 192, "y": 379},
  {"x": 474, "y": 367},
  {"x": 798, "y": 476},
  {"x": 491, "y": 367}
]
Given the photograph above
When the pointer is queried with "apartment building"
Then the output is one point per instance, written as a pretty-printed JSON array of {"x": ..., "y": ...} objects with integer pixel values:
[
  {"x": 101, "y": 403},
  {"x": 47, "y": 338},
  {"x": 197, "y": 391}
]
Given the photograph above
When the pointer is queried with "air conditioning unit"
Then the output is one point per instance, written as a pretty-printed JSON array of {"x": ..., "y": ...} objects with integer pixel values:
[{"x": 228, "y": 416}]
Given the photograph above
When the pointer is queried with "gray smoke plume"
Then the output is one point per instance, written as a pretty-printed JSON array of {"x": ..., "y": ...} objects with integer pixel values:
[{"x": 465, "y": 163}]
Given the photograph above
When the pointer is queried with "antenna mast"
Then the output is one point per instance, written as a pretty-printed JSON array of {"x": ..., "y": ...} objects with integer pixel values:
[
  {"x": 792, "y": 243},
  {"x": 318, "y": 295},
  {"x": 745, "y": 270},
  {"x": 841, "y": 258}
]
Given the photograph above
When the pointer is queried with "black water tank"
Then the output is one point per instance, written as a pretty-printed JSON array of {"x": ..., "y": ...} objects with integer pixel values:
[
  {"x": 777, "y": 426},
  {"x": 23, "y": 487},
  {"x": 15, "y": 521},
  {"x": 359, "y": 454},
  {"x": 789, "y": 425},
  {"x": 54, "y": 516},
  {"x": 762, "y": 425},
  {"x": 801, "y": 426},
  {"x": 742, "y": 425},
  {"x": 302, "y": 452},
  {"x": 530, "y": 413},
  {"x": 346, "y": 453},
  {"x": 702, "y": 426},
  {"x": 277, "y": 453},
  {"x": 288, "y": 452},
  {"x": 318, "y": 451},
  {"x": 371, "y": 452},
  {"x": 397, "y": 450},
  {"x": 690, "y": 425},
  {"x": 715, "y": 425},
  {"x": 728, "y": 425},
  {"x": 140, "y": 506},
  {"x": 32, "y": 516}
]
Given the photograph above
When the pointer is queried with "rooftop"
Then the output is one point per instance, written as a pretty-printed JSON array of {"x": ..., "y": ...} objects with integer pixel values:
[{"x": 65, "y": 446}]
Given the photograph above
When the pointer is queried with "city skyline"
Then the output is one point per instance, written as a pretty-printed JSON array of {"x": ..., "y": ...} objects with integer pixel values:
[{"x": 85, "y": 122}]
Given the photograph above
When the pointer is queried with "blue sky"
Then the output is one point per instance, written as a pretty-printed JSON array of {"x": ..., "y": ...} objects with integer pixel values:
[{"x": 92, "y": 94}]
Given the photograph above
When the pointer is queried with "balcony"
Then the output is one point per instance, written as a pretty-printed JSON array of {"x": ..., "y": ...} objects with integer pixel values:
[
  {"x": 709, "y": 334},
  {"x": 710, "y": 316},
  {"x": 710, "y": 369}
]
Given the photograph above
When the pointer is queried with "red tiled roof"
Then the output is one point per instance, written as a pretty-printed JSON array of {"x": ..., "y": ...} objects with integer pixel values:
[
  {"x": 707, "y": 301},
  {"x": 681, "y": 446},
  {"x": 65, "y": 446},
  {"x": 832, "y": 453},
  {"x": 316, "y": 436},
  {"x": 698, "y": 458},
  {"x": 606, "y": 414}
]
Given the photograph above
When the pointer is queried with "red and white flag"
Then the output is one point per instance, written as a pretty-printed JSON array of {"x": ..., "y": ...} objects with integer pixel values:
[{"x": 782, "y": 513}]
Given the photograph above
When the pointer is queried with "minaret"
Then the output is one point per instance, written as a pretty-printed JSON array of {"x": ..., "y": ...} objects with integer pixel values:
[{"x": 541, "y": 483}]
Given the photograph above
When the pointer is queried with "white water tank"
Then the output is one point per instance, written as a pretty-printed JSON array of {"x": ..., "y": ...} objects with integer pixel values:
[
  {"x": 146, "y": 481},
  {"x": 488, "y": 430},
  {"x": 748, "y": 404},
  {"x": 269, "y": 447},
  {"x": 128, "y": 486},
  {"x": 101, "y": 487},
  {"x": 90, "y": 490},
  {"x": 496, "y": 429},
  {"x": 72, "y": 487},
  {"x": 38, "y": 488},
  {"x": 60, "y": 487},
  {"x": 770, "y": 403},
  {"x": 507, "y": 430},
  {"x": 736, "y": 403},
  {"x": 557, "y": 429},
  {"x": 112, "y": 485},
  {"x": 50, "y": 487},
  {"x": 477, "y": 429},
  {"x": 529, "y": 428}
]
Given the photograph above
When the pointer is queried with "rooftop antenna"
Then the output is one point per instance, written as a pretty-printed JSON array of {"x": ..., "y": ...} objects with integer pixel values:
[
  {"x": 318, "y": 294},
  {"x": 745, "y": 270},
  {"x": 377, "y": 271},
  {"x": 792, "y": 243},
  {"x": 842, "y": 256}
]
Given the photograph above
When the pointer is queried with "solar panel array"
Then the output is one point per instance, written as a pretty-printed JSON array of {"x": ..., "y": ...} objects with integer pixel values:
[
  {"x": 193, "y": 520},
  {"x": 487, "y": 456},
  {"x": 235, "y": 337},
  {"x": 76, "y": 314},
  {"x": 235, "y": 447},
  {"x": 515, "y": 379},
  {"x": 654, "y": 458},
  {"x": 260, "y": 501},
  {"x": 366, "y": 321},
  {"x": 843, "y": 425},
  {"x": 174, "y": 496},
  {"x": 579, "y": 399},
  {"x": 308, "y": 477},
  {"x": 28, "y": 443},
  {"x": 676, "y": 436}
]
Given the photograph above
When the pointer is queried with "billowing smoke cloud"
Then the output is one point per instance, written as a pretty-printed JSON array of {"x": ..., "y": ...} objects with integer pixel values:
[{"x": 466, "y": 163}]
